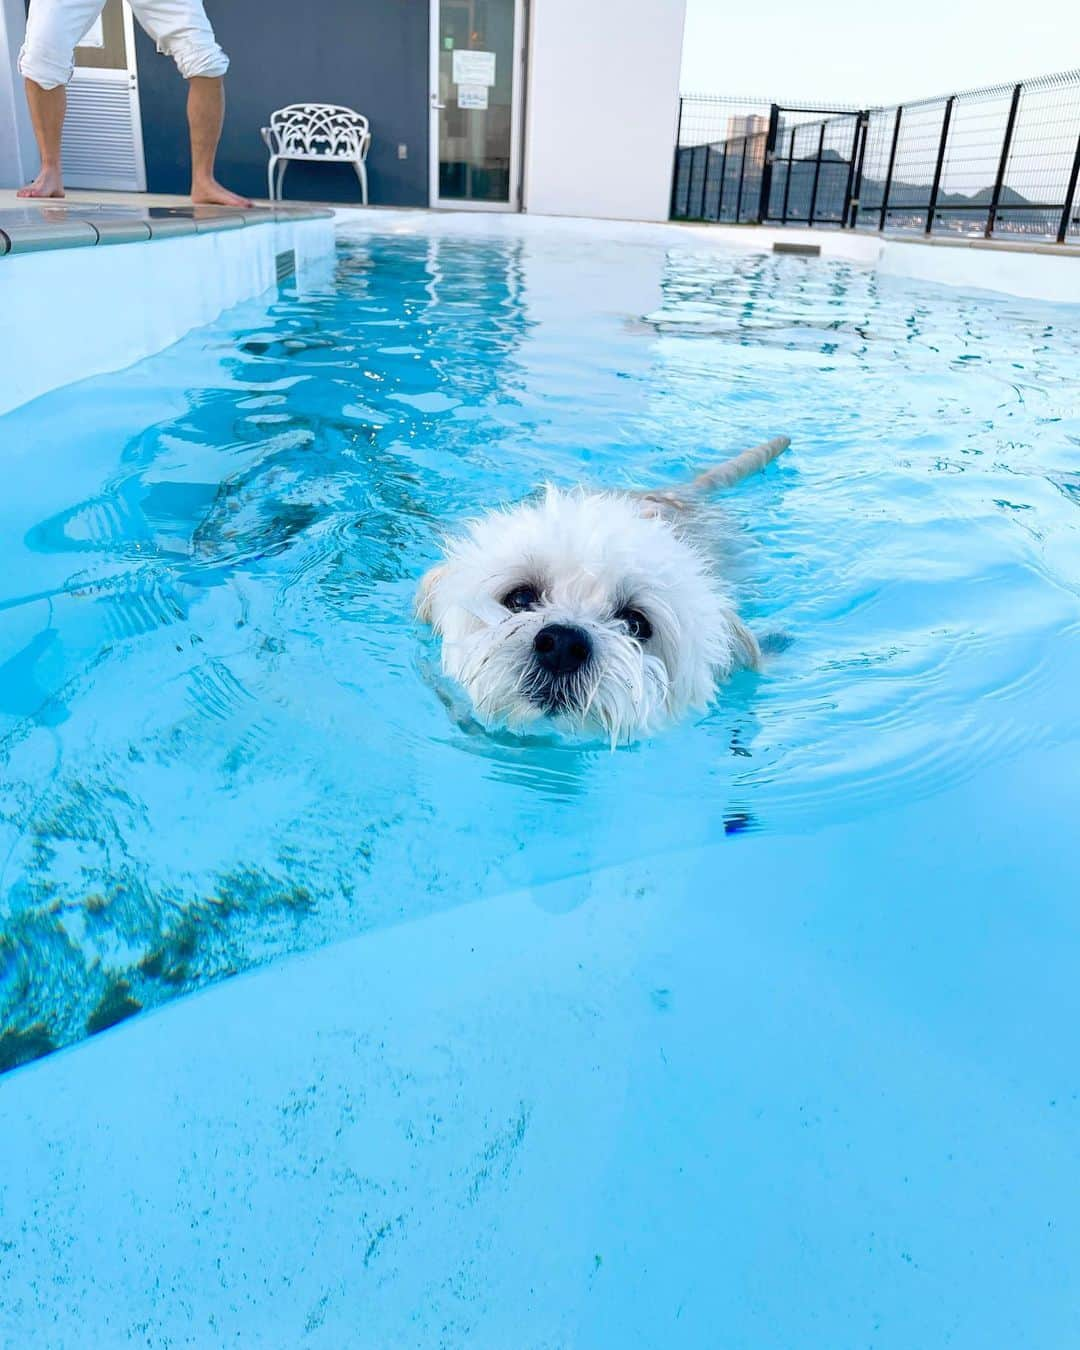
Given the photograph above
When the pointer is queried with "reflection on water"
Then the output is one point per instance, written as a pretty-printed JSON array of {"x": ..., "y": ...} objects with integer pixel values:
[{"x": 221, "y": 733}]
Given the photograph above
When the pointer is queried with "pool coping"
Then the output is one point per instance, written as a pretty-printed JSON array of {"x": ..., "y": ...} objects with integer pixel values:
[{"x": 37, "y": 227}]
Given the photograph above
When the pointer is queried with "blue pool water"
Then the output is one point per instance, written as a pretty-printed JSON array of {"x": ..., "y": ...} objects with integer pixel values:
[{"x": 221, "y": 742}]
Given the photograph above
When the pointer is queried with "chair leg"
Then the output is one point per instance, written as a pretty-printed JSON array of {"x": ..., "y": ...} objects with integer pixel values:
[
  {"x": 361, "y": 173},
  {"x": 270, "y": 176},
  {"x": 282, "y": 166}
]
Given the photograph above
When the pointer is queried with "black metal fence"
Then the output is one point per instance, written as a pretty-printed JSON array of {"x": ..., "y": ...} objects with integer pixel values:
[{"x": 1002, "y": 162}]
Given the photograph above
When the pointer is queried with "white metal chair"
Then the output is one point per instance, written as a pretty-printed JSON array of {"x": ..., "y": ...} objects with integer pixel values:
[{"x": 319, "y": 132}]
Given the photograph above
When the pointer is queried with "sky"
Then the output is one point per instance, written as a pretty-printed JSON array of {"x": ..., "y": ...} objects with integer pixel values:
[{"x": 868, "y": 53}]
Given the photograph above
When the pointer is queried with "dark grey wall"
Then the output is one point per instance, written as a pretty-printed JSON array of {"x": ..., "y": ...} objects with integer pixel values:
[{"x": 371, "y": 55}]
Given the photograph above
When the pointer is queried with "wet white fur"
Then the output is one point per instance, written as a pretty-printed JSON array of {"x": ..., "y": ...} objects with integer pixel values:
[{"x": 589, "y": 554}]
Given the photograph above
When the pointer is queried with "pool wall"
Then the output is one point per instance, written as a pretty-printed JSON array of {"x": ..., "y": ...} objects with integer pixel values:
[
  {"x": 1028, "y": 271},
  {"x": 79, "y": 312},
  {"x": 1036, "y": 271}
]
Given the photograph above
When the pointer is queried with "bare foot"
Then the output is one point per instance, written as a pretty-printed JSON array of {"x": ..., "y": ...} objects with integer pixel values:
[
  {"x": 211, "y": 193},
  {"x": 48, "y": 183}
]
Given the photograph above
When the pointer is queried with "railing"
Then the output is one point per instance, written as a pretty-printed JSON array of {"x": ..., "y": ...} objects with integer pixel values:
[{"x": 998, "y": 162}]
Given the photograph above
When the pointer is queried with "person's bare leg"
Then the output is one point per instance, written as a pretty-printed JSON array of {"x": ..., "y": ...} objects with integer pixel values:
[
  {"x": 47, "y": 108},
  {"x": 206, "y": 113}
]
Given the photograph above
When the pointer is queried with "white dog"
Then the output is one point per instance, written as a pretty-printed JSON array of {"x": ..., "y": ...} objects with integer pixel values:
[{"x": 600, "y": 611}]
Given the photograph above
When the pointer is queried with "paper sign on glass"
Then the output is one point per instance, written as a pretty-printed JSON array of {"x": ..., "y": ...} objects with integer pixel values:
[
  {"x": 472, "y": 96},
  {"x": 473, "y": 67}
]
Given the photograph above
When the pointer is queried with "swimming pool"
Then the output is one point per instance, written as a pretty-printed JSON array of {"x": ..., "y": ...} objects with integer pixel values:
[{"x": 222, "y": 742}]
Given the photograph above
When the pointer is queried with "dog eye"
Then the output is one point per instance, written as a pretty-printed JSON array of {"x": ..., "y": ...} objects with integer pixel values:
[
  {"x": 637, "y": 625},
  {"x": 521, "y": 598}
]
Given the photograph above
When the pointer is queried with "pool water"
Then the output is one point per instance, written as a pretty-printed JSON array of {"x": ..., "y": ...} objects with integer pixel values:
[{"x": 220, "y": 734}]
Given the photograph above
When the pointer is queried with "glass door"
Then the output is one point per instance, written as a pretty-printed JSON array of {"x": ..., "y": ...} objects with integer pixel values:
[{"x": 476, "y": 79}]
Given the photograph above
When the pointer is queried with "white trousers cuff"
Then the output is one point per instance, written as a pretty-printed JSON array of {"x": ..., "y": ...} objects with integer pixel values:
[
  {"x": 180, "y": 28},
  {"x": 48, "y": 68},
  {"x": 197, "y": 58}
]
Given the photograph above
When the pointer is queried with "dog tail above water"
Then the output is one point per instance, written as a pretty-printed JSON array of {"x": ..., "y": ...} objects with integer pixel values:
[{"x": 737, "y": 468}]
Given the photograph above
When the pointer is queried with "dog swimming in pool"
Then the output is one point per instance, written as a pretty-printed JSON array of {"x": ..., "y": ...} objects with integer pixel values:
[{"x": 602, "y": 612}]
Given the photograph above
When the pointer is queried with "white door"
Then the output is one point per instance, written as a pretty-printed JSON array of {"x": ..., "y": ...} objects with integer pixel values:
[
  {"x": 477, "y": 79},
  {"x": 102, "y": 146}
]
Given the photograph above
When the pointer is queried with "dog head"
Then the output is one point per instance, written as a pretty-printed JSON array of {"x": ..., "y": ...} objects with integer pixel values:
[{"x": 585, "y": 608}]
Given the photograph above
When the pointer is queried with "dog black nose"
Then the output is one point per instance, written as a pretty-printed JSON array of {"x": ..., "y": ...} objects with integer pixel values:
[{"x": 561, "y": 649}]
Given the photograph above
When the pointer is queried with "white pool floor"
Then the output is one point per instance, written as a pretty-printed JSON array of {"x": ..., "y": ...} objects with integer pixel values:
[{"x": 656, "y": 1116}]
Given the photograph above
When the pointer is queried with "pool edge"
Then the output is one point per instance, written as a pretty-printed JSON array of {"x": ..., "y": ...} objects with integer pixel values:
[{"x": 80, "y": 312}]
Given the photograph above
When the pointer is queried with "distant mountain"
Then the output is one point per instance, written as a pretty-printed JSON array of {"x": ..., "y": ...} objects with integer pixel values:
[
  {"x": 832, "y": 187},
  {"x": 832, "y": 181}
]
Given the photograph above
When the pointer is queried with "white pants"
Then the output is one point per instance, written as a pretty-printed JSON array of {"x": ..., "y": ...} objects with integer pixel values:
[{"x": 54, "y": 29}]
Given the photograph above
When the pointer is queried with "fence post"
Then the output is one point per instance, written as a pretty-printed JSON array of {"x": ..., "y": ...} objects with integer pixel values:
[
  {"x": 817, "y": 174},
  {"x": 1003, "y": 162},
  {"x": 854, "y": 179},
  {"x": 889, "y": 171},
  {"x": 787, "y": 177},
  {"x": 766, "y": 169},
  {"x": 742, "y": 171},
  {"x": 690, "y": 178},
  {"x": 704, "y": 182},
  {"x": 1070, "y": 193},
  {"x": 935, "y": 187},
  {"x": 675, "y": 165}
]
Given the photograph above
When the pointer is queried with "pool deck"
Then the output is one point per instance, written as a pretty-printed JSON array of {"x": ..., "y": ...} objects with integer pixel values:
[{"x": 86, "y": 218}]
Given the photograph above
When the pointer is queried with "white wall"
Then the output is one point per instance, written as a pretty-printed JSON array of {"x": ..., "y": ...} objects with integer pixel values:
[
  {"x": 18, "y": 157},
  {"x": 602, "y": 107}
]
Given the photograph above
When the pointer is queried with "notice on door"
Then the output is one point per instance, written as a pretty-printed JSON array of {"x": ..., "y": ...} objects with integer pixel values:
[
  {"x": 472, "y": 96},
  {"x": 473, "y": 68}
]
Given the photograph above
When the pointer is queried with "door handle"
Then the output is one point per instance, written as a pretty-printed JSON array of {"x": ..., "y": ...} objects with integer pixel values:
[{"x": 435, "y": 102}]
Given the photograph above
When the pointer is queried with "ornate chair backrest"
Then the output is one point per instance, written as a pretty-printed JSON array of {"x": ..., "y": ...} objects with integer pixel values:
[{"x": 320, "y": 129}]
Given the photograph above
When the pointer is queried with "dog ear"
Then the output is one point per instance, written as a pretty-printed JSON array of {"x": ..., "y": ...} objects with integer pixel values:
[
  {"x": 425, "y": 592},
  {"x": 747, "y": 651}
]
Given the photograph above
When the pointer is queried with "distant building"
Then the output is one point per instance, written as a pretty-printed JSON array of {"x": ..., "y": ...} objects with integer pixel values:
[{"x": 752, "y": 124}]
